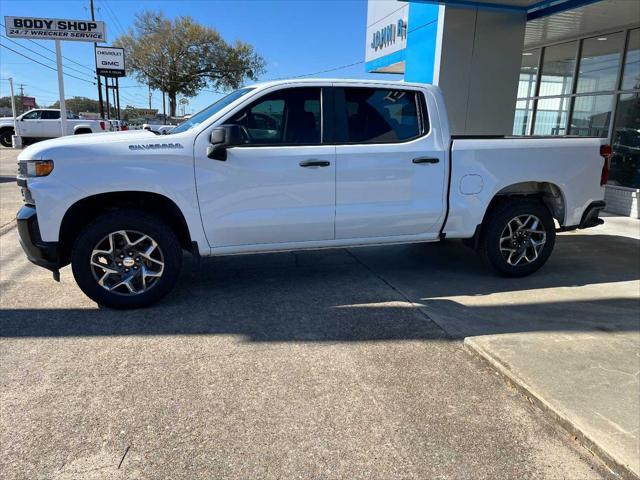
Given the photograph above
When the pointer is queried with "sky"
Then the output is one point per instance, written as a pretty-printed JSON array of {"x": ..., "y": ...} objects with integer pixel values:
[{"x": 296, "y": 37}]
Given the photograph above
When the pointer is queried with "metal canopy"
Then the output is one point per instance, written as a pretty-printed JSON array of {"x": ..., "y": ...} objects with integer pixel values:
[{"x": 533, "y": 8}]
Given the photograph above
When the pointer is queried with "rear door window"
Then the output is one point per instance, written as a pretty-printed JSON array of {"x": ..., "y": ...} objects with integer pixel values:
[
  {"x": 50, "y": 115},
  {"x": 377, "y": 115}
]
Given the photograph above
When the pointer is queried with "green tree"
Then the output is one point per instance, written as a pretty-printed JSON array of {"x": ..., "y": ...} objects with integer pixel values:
[
  {"x": 181, "y": 56},
  {"x": 82, "y": 104},
  {"x": 5, "y": 102}
]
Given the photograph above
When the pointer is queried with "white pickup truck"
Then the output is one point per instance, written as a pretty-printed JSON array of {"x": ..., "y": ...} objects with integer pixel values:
[
  {"x": 44, "y": 123},
  {"x": 299, "y": 164}
]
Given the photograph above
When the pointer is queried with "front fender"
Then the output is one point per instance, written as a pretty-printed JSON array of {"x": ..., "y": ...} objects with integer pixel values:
[{"x": 85, "y": 170}]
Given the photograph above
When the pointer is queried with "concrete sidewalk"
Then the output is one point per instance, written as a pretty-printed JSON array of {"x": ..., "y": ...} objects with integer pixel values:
[
  {"x": 589, "y": 381},
  {"x": 567, "y": 337}
]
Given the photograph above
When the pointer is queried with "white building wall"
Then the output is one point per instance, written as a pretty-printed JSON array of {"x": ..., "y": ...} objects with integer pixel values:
[{"x": 382, "y": 14}]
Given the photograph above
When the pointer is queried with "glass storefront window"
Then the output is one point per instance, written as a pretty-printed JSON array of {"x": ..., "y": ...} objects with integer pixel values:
[
  {"x": 551, "y": 116},
  {"x": 528, "y": 74},
  {"x": 524, "y": 112},
  {"x": 631, "y": 72},
  {"x": 599, "y": 63},
  {"x": 558, "y": 65},
  {"x": 591, "y": 116},
  {"x": 625, "y": 161}
]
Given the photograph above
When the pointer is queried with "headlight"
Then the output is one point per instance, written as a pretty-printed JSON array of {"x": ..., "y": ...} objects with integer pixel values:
[{"x": 37, "y": 168}]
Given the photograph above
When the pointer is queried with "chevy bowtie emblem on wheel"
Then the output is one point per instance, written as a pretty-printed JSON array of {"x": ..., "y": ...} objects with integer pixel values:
[{"x": 156, "y": 146}]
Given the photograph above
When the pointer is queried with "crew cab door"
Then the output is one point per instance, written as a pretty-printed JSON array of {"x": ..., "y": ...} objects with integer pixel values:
[
  {"x": 50, "y": 124},
  {"x": 30, "y": 124},
  {"x": 280, "y": 186},
  {"x": 390, "y": 177}
]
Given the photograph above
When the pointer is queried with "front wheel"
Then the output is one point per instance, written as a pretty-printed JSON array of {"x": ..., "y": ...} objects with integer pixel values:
[
  {"x": 5, "y": 138},
  {"x": 518, "y": 237},
  {"x": 126, "y": 259}
]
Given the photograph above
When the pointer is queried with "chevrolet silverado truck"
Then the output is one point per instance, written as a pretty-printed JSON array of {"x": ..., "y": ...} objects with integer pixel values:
[
  {"x": 292, "y": 165},
  {"x": 42, "y": 123}
]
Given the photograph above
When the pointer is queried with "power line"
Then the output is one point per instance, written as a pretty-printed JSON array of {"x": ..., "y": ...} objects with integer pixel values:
[
  {"x": 43, "y": 64},
  {"x": 319, "y": 72},
  {"x": 114, "y": 17},
  {"x": 41, "y": 55}
]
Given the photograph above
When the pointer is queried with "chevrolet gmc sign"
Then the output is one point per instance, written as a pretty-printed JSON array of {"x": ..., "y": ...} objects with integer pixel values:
[{"x": 110, "y": 61}]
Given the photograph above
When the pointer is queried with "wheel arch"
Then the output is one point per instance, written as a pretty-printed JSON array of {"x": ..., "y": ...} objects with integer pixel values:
[
  {"x": 85, "y": 210},
  {"x": 548, "y": 193}
]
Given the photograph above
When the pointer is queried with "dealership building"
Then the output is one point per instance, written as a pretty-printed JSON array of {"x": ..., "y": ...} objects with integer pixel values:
[{"x": 524, "y": 67}]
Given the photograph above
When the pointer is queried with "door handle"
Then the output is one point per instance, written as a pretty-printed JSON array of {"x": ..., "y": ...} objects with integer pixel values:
[
  {"x": 314, "y": 163},
  {"x": 426, "y": 160}
]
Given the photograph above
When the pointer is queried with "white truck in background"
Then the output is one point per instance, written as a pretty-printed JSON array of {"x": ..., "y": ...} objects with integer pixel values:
[
  {"x": 298, "y": 164},
  {"x": 42, "y": 123}
]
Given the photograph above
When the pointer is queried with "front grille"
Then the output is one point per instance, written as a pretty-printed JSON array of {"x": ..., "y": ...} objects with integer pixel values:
[
  {"x": 22, "y": 169},
  {"x": 27, "y": 199}
]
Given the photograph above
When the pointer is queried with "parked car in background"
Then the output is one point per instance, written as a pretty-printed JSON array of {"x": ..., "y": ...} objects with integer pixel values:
[
  {"x": 159, "y": 129},
  {"x": 118, "y": 125},
  {"x": 42, "y": 123},
  {"x": 292, "y": 165}
]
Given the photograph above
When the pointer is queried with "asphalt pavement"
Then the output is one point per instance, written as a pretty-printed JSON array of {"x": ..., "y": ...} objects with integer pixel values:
[{"x": 306, "y": 365}]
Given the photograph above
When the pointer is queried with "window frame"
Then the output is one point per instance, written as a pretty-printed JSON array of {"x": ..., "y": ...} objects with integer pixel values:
[
  {"x": 46, "y": 112},
  {"x": 261, "y": 98},
  {"x": 340, "y": 114},
  {"x": 39, "y": 112}
]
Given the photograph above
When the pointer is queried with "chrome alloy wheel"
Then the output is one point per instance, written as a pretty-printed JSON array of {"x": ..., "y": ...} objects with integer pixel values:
[
  {"x": 522, "y": 240},
  {"x": 127, "y": 262}
]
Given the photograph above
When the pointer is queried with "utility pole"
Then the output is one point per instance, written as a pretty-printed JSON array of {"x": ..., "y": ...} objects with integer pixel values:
[
  {"x": 164, "y": 110},
  {"x": 100, "y": 105},
  {"x": 16, "y": 140},
  {"x": 106, "y": 88},
  {"x": 117, "y": 95},
  {"x": 21, "y": 104}
]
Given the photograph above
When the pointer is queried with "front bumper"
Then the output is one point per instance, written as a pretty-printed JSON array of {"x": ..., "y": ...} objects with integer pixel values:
[{"x": 43, "y": 254}]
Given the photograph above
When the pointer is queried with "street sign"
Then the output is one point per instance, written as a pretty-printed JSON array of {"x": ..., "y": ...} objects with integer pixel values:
[
  {"x": 55, "y": 29},
  {"x": 110, "y": 61},
  {"x": 29, "y": 102}
]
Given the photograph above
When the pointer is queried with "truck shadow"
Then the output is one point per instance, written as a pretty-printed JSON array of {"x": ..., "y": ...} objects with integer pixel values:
[{"x": 373, "y": 294}]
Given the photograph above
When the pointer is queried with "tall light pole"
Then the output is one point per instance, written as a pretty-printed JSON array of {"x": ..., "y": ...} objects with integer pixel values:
[{"x": 100, "y": 105}]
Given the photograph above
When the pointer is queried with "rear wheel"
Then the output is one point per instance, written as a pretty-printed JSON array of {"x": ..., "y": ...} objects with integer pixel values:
[
  {"x": 518, "y": 237},
  {"x": 5, "y": 138},
  {"x": 126, "y": 259}
]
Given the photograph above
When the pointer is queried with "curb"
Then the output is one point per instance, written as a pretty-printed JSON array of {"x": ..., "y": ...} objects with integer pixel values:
[{"x": 620, "y": 469}]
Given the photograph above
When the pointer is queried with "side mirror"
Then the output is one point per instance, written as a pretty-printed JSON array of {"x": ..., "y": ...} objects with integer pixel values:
[{"x": 224, "y": 137}]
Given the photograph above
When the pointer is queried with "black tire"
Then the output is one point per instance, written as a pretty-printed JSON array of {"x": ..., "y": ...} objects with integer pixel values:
[
  {"x": 132, "y": 220},
  {"x": 5, "y": 138},
  {"x": 498, "y": 218}
]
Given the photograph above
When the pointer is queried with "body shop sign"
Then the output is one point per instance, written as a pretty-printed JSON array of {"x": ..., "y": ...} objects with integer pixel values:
[
  {"x": 55, "y": 29},
  {"x": 110, "y": 61}
]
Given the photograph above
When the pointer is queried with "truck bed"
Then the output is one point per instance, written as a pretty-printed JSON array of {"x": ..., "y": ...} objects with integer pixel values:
[{"x": 566, "y": 171}]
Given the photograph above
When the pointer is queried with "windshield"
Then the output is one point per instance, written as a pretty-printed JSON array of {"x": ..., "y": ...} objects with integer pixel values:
[{"x": 212, "y": 109}]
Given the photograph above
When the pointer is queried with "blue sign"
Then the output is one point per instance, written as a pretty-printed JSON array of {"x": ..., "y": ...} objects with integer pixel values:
[{"x": 387, "y": 35}]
